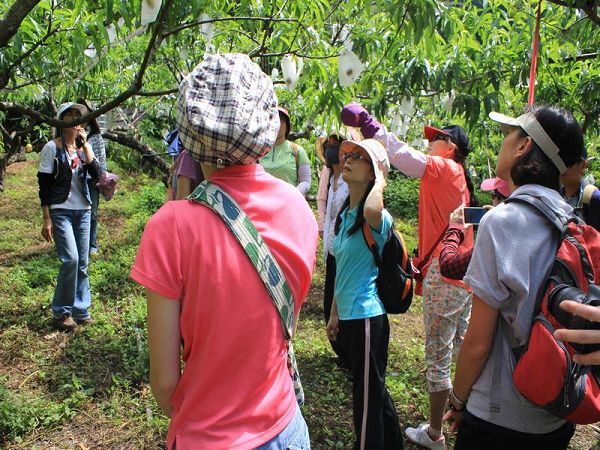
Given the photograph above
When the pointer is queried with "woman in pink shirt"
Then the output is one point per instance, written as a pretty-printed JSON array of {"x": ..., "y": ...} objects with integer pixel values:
[{"x": 207, "y": 305}]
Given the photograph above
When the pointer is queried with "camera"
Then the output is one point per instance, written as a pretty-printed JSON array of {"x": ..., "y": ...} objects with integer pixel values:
[
  {"x": 592, "y": 298},
  {"x": 474, "y": 215}
]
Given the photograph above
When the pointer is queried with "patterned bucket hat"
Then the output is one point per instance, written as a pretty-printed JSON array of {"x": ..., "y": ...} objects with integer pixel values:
[{"x": 227, "y": 111}]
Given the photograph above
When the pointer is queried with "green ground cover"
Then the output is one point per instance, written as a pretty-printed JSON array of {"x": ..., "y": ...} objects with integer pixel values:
[{"x": 89, "y": 389}]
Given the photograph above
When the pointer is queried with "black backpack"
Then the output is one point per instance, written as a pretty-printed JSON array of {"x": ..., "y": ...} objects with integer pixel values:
[{"x": 396, "y": 271}]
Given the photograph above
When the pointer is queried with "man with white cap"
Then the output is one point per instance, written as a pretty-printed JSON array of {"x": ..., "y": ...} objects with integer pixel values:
[{"x": 207, "y": 303}]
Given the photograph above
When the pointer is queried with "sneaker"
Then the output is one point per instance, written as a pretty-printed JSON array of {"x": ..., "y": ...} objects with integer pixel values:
[
  {"x": 421, "y": 437},
  {"x": 64, "y": 323},
  {"x": 85, "y": 322}
]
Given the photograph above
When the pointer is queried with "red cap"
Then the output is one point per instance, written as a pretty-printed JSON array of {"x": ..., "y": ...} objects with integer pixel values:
[
  {"x": 430, "y": 132},
  {"x": 455, "y": 132}
]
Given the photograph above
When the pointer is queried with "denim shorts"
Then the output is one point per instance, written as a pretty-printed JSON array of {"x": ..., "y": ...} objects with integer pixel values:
[{"x": 293, "y": 437}]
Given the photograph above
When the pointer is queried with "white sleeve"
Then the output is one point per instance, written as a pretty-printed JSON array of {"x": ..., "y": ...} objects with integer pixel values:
[
  {"x": 304, "y": 178},
  {"x": 402, "y": 156},
  {"x": 47, "y": 158},
  {"x": 99, "y": 149}
]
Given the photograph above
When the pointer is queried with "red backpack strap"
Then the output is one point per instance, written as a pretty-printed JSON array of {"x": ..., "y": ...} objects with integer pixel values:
[
  {"x": 404, "y": 251},
  {"x": 424, "y": 262},
  {"x": 371, "y": 244}
]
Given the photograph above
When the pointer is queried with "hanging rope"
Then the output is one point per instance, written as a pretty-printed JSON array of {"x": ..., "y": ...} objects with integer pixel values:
[{"x": 534, "y": 55}]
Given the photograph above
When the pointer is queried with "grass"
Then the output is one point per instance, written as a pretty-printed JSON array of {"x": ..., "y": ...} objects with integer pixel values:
[{"x": 89, "y": 389}]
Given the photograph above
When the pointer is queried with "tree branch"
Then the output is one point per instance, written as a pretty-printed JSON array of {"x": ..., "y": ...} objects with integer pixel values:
[
  {"x": 589, "y": 8},
  {"x": 304, "y": 134},
  {"x": 135, "y": 87},
  {"x": 157, "y": 93},
  {"x": 582, "y": 57},
  {"x": 46, "y": 77},
  {"x": 134, "y": 143},
  {"x": 10, "y": 23},
  {"x": 223, "y": 19},
  {"x": 296, "y": 53},
  {"x": 389, "y": 46},
  {"x": 332, "y": 10},
  {"x": 4, "y": 78}
]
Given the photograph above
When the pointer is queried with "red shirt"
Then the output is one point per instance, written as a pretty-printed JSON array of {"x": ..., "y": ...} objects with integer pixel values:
[
  {"x": 443, "y": 189},
  {"x": 235, "y": 390},
  {"x": 453, "y": 262}
]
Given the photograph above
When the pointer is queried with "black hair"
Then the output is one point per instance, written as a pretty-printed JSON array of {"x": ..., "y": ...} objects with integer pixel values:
[
  {"x": 460, "y": 158},
  {"x": 287, "y": 121},
  {"x": 360, "y": 217},
  {"x": 534, "y": 167},
  {"x": 338, "y": 139},
  {"x": 91, "y": 123},
  {"x": 499, "y": 195}
]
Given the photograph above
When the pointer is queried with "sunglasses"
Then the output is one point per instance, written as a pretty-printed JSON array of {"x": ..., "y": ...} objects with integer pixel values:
[
  {"x": 356, "y": 155},
  {"x": 441, "y": 137}
]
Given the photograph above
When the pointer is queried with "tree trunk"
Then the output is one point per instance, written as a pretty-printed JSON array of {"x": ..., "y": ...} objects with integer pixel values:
[{"x": 12, "y": 155}]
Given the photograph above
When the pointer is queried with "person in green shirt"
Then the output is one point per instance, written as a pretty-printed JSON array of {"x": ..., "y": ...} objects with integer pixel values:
[{"x": 288, "y": 161}]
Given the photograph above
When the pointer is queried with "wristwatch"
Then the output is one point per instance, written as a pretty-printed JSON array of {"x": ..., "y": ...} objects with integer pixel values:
[
  {"x": 452, "y": 399},
  {"x": 454, "y": 408}
]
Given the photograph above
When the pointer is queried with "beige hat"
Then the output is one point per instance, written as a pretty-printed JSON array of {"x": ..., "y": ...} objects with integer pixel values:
[
  {"x": 374, "y": 149},
  {"x": 351, "y": 133}
]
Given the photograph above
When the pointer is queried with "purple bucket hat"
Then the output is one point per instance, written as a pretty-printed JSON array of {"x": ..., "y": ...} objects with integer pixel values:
[{"x": 227, "y": 111}]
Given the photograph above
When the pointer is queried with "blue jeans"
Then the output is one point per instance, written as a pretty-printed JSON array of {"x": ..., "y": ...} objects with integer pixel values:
[
  {"x": 71, "y": 231},
  {"x": 293, "y": 437},
  {"x": 95, "y": 197}
]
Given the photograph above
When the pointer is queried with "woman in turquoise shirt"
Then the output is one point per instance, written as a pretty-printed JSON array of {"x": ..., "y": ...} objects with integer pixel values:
[{"x": 357, "y": 311}]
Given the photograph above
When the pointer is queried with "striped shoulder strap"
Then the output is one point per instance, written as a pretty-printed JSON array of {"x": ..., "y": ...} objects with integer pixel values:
[{"x": 212, "y": 196}]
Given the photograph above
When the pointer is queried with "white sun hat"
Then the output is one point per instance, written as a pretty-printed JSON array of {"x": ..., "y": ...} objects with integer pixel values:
[
  {"x": 375, "y": 150},
  {"x": 534, "y": 129},
  {"x": 70, "y": 105}
]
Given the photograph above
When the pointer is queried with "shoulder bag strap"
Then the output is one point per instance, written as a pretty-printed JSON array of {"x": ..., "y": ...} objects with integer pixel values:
[
  {"x": 371, "y": 244},
  {"x": 541, "y": 207},
  {"x": 212, "y": 196},
  {"x": 297, "y": 159},
  {"x": 295, "y": 152},
  {"x": 423, "y": 262}
]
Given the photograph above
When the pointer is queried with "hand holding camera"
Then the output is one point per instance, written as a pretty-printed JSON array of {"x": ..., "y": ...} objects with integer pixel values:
[
  {"x": 82, "y": 144},
  {"x": 580, "y": 312},
  {"x": 81, "y": 138}
]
